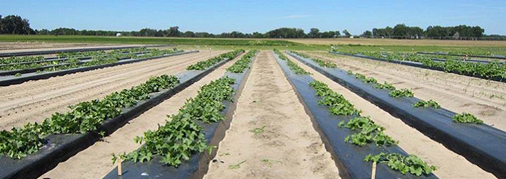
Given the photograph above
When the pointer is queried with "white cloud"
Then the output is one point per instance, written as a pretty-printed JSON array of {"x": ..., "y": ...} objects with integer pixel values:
[{"x": 293, "y": 17}]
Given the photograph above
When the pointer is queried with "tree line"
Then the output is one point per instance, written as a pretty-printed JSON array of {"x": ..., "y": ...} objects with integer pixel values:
[
  {"x": 174, "y": 32},
  {"x": 401, "y": 31},
  {"x": 13, "y": 24}
]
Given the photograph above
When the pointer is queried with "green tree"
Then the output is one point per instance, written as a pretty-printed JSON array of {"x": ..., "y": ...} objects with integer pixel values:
[
  {"x": 13, "y": 24},
  {"x": 314, "y": 33},
  {"x": 367, "y": 34},
  {"x": 188, "y": 34},
  {"x": 346, "y": 33}
]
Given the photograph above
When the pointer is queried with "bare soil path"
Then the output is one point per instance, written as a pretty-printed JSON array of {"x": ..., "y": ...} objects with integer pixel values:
[
  {"x": 34, "y": 101},
  {"x": 285, "y": 144},
  {"x": 95, "y": 161},
  {"x": 484, "y": 98},
  {"x": 449, "y": 164}
]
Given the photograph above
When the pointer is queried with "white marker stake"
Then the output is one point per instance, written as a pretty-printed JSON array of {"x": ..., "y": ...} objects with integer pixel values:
[
  {"x": 120, "y": 171},
  {"x": 373, "y": 174}
]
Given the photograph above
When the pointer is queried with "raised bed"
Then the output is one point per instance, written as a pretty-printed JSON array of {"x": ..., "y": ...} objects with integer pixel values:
[
  {"x": 10, "y": 80},
  {"x": 348, "y": 157},
  {"x": 61, "y": 147},
  {"x": 417, "y": 64},
  {"x": 483, "y": 145},
  {"x": 197, "y": 166},
  {"x": 43, "y": 52}
]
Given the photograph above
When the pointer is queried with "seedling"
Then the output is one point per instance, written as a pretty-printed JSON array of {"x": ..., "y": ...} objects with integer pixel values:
[
  {"x": 296, "y": 68},
  {"x": 427, "y": 104},
  {"x": 236, "y": 166},
  {"x": 257, "y": 131},
  {"x": 369, "y": 132},
  {"x": 243, "y": 63},
  {"x": 268, "y": 162},
  {"x": 202, "y": 65},
  {"x": 466, "y": 118},
  {"x": 401, "y": 93},
  {"x": 403, "y": 164}
]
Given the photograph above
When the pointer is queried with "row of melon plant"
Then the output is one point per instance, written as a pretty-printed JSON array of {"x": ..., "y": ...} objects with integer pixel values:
[
  {"x": 101, "y": 52},
  {"x": 296, "y": 68},
  {"x": 322, "y": 63},
  {"x": 74, "y": 62},
  {"x": 459, "y": 118},
  {"x": 481, "y": 53},
  {"x": 182, "y": 136},
  {"x": 202, "y": 65},
  {"x": 368, "y": 132},
  {"x": 491, "y": 70},
  {"x": 243, "y": 63},
  {"x": 386, "y": 86},
  {"x": 82, "y": 118},
  {"x": 39, "y": 58}
]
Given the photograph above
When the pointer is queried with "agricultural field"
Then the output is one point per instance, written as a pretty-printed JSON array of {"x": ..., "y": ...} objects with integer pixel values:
[
  {"x": 252, "y": 89},
  {"x": 135, "y": 107}
]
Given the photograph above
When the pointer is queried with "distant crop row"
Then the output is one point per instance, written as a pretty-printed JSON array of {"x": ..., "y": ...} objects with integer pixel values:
[
  {"x": 296, "y": 68},
  {"x": 98, "y": 53},
  {"x": 72, "y": 60},
  {"x": 210, "y": 62},
  {"x": 243, "y": 63},
  {"x": 322, "y": 63},
  {"x": 28, "y": 59},
  {"x": 487, "y": 70},
  {"x": 459, "y": 118}
]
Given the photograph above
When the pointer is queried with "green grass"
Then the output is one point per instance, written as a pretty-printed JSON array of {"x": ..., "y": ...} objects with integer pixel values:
[
  {"x": 215, "y": 43},
  {"x": 146, "y": 40},
  {"x": 248, "y": 44}
]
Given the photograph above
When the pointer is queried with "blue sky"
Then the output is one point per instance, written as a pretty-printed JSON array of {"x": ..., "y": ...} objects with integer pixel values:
[{"x": 260, "y": 15}]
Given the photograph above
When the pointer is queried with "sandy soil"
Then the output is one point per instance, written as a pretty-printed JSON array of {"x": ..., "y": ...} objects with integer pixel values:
[
  {"x": 95, "y": 161},
  {"x": 33, "y": 46},
  {"x": 34, "y": 101},
  {"x": 483, "y": 98},
  {"x": 403, "y": 42},
  {"x": 450, "y": 164},
  {"x": 288, "y": 147}
]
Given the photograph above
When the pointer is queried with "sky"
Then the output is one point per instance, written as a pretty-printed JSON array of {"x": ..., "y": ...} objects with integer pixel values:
[{"x": 219, "y": 16}]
